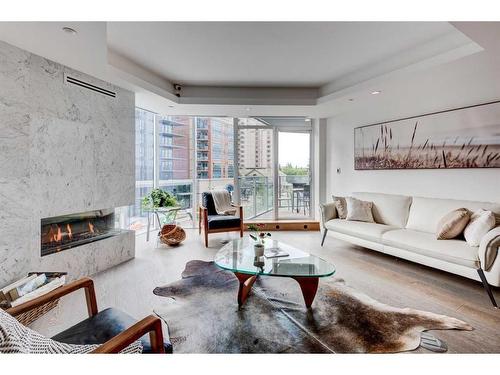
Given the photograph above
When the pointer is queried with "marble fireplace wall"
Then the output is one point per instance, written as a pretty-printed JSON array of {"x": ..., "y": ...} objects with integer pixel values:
[{"x": 63, "y": 149}]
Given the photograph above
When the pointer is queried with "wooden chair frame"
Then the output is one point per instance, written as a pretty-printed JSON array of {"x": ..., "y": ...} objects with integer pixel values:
[
  {"x": 151, "y": 323},
  {"x": 203, "y": 223}
]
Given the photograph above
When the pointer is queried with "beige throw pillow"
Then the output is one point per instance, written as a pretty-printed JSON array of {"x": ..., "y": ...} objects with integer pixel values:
[
  {"x": 341, "y": 206},
  {"x": 359, "y": 210},
  {"x": 452, "y": 224},
  {"x": 481, "y": 222}
]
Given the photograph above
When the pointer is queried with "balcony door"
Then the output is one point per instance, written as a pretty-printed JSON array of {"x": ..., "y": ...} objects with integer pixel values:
[
  {"x": 274, "y": 169},
  {"x": 293, "y": 175}
]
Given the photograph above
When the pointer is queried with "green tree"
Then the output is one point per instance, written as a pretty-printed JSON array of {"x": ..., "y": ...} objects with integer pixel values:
[{"x": 290, "y": 170}]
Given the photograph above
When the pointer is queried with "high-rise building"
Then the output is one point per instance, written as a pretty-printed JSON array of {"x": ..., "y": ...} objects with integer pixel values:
[
  {"x": 255, "y": 150},
  {"x": 174, "y": 147},
  {"x": 214, "y": 148}
]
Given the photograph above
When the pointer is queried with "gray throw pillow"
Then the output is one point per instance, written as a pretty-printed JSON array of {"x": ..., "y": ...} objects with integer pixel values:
[
  {"x": 358, "y": 210},
  {"x": 452, "y": 224},
  {"x": 341, "y": 206}
]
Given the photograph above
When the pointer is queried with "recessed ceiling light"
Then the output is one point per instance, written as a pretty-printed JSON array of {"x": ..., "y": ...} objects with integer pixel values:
[
  {"x": 351, "y": 99},
  {"x": 308, "y": 120},
  {"x": 376, "y": 92},
  {"x": 69, "y": 30},
  {"x": 248, "y": 108}
]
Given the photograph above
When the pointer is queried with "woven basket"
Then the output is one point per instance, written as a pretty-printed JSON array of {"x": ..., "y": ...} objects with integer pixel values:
[
  {"x": 172, "y": 234},
  {"x": 30, "y": 316}
]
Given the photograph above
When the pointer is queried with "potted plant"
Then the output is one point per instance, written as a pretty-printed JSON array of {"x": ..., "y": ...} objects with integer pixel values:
[
  {"x": 258, "y": 235},
  {"x": 158, "y": 198}
]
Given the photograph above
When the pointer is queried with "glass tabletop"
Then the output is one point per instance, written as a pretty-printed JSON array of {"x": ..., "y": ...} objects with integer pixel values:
[{"x": 239, "y": 256}]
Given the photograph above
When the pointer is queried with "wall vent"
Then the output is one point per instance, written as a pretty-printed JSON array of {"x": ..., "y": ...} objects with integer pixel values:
[{"x": 88, "y": 86}]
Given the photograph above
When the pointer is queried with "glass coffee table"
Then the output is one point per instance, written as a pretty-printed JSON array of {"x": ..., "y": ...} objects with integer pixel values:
[{"x": 239, "y": 257}]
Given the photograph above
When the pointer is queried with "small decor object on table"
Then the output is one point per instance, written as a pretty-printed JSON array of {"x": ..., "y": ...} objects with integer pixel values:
[
  {"x": 172, "y": 234},
  {"x": 259, "y": 237},
  {"x": 275, "y": 252},
  {"x": 34, "y": 285},
  {"x": 259, "y": 249}
]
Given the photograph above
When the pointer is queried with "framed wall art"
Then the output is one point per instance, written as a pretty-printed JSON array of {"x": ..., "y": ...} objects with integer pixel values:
[{"x": 467, "y": 137}]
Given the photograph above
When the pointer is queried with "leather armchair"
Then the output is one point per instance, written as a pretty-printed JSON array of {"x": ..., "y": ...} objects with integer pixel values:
[
  {"x": 211, "y": 222},
  {"x": 112, "y": 328}
]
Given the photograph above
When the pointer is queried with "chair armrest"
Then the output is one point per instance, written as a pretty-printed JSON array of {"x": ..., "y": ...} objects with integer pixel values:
[
  {"x": 151, "y": 324},
  {"x": 85, "y": 283},
  {"x": 488, "y": 248},
  {"x": 328, "y": 212},
  {"x": 240, "y": 207}
]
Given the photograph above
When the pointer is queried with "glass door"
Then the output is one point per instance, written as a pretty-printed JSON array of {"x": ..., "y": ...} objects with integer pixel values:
[
  {"x": 256, "y": 173},
  {"x": 274, "y": 169},
  {"x": 293, "y": 175}
]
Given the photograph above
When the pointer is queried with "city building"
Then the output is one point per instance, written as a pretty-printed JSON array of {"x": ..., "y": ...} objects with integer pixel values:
[
  {"x": 255, "y": 153},
  {"x": 214, "y": 147}
]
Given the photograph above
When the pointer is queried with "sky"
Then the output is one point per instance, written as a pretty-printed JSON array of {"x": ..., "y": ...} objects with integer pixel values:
[{"x": 294, "y": 149}]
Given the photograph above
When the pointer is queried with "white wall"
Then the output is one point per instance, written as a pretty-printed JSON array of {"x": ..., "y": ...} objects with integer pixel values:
[{"x": 472, "y": 80}]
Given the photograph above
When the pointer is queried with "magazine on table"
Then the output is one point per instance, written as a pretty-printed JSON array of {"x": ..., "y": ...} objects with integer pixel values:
[
  {"x": 275, "y": 252},
  {"x": 278, "y": 249}
]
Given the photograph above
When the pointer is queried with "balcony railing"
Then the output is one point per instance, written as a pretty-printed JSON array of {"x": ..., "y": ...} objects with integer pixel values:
[{"x": 256, "y": 195}]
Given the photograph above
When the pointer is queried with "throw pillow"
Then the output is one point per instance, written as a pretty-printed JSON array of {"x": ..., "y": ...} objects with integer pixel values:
[
  {"x": 481, "y": 222},
  {"x": 16, "y": 338},
  {"x": 359, "y": 210},
  {"x": 452, "y": 224},
  {"x": 341, "y": 206}
]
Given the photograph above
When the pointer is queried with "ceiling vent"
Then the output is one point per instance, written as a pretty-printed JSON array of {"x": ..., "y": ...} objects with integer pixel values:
[{"x": 88, "y": 86}]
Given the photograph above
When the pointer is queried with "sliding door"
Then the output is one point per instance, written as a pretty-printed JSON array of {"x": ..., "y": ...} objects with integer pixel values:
[
  {"x": 294, "y": 175},
  {"x": 274, "y": 168},
  {"x": 256, "y": 172}
]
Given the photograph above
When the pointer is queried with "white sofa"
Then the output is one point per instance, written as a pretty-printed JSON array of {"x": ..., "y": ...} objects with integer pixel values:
[{"x": 405, "y": 227}]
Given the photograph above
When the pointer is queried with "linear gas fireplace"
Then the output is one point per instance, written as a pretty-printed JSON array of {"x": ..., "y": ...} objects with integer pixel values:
[{"x": 64, "y": 232}]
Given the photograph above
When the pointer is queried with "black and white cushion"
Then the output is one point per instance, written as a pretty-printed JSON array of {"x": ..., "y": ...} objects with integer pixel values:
[{"x": 16, "y": 338}]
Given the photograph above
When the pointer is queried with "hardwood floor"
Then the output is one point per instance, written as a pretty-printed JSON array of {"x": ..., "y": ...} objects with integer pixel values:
[{"x": 390, "y": 280}]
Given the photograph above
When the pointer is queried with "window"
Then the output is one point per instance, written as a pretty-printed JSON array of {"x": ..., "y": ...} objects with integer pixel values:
[
  {"x": 230, "y": 171},
  {"x": 144, "y": 164},
  {"x": 185, "y": 155},
  {"x": 217, "y": 171}
]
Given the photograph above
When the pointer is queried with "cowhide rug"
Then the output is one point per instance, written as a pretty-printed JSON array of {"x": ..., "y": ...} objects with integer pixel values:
[{"x": 203, "y": 317}]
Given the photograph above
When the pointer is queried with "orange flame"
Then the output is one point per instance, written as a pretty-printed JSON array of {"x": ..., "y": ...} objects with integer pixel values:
[
  {"x": 58, "y": 235},
  {"x": 91, "y": 227},
  {"x": 69, "y": 231}
]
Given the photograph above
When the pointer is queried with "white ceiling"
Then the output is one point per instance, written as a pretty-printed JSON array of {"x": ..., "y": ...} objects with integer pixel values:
[
  {"x": 407, "y": 61},
  {"x": 269, "y": 54},
  {"x": 85, "y": 51}
]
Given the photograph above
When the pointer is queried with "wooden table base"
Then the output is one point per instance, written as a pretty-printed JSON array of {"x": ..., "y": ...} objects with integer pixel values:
[
  {"x": 246, "y": 282},
  {"x": 308, "y": 286}
]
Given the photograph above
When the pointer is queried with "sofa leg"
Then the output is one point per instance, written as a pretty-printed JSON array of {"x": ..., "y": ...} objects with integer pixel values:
[
  {"x": 324, "y": 235},
  {"x": 487, "y": 287}
]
